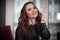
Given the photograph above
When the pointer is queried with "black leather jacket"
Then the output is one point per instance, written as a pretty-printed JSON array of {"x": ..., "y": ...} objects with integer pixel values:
[{"x": 44, "y": 34}]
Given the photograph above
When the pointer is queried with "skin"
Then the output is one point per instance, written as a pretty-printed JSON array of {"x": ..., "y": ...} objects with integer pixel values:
[{"x": 32, "y": 11}]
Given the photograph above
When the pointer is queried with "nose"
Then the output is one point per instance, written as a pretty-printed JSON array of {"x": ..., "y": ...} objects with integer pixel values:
[{"x": 33, "y": 10}]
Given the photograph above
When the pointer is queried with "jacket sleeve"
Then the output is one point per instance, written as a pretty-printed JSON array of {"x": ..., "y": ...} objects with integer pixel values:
[
  {"x": 45, "y": 34},
  {"x": 18, "y": 34}
]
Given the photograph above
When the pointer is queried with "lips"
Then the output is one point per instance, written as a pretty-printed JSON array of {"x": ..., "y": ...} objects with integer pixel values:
[{"x": 33, "y": 13}]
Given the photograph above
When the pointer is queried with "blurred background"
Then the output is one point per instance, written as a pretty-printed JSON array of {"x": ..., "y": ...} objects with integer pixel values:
[{"x": 10, "y": 12}]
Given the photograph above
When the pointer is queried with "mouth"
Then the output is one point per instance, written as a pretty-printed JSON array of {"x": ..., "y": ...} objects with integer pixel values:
[{"x": 33, "y": 13}]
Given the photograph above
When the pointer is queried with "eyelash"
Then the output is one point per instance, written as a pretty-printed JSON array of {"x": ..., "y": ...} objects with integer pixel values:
[
  {"x": 34, "y": 8},
  {"x": 29, "y": 9}
]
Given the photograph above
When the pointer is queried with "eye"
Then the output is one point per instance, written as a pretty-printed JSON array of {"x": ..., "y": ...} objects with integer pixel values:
[
  {"x": 29, "y": 9},
  {"x": 34, "y": 8}
]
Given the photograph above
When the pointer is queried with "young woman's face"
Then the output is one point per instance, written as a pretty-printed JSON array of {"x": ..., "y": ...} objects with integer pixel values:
[{"x": 31, "y": 10}]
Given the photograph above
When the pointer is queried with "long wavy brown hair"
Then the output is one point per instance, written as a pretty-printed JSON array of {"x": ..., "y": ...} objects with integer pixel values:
[{"x": 23, "y": 20}]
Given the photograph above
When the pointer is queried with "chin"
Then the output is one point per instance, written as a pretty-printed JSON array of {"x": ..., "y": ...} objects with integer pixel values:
[{"x": 34, "y": 16}]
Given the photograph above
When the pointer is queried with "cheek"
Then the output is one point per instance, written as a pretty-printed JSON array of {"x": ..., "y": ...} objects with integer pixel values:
[
  {"x": 28, "y": 14},
  {"x": 36, "y": 10}
]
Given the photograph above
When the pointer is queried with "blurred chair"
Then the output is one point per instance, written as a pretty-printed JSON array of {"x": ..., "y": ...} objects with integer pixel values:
[{"x": 5, "y": 33}]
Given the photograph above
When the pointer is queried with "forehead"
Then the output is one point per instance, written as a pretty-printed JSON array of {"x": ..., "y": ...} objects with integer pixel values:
[{"x": 30, "y": 5}]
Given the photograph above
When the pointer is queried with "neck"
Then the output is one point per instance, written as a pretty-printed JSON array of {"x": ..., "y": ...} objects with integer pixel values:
[{"x": 32, "y": 21}]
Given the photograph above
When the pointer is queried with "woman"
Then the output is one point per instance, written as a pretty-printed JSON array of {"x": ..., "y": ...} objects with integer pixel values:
[{"x": 30, "y": 26}]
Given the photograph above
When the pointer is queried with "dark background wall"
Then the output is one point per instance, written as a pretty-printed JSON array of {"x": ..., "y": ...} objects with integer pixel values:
[{"x": 2, "y": 12}]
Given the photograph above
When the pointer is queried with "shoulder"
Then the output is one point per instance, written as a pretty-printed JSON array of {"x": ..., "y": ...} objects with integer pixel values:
[
  {"x": 18, "y": 30},
  {"x": 18, "y": 34}
]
